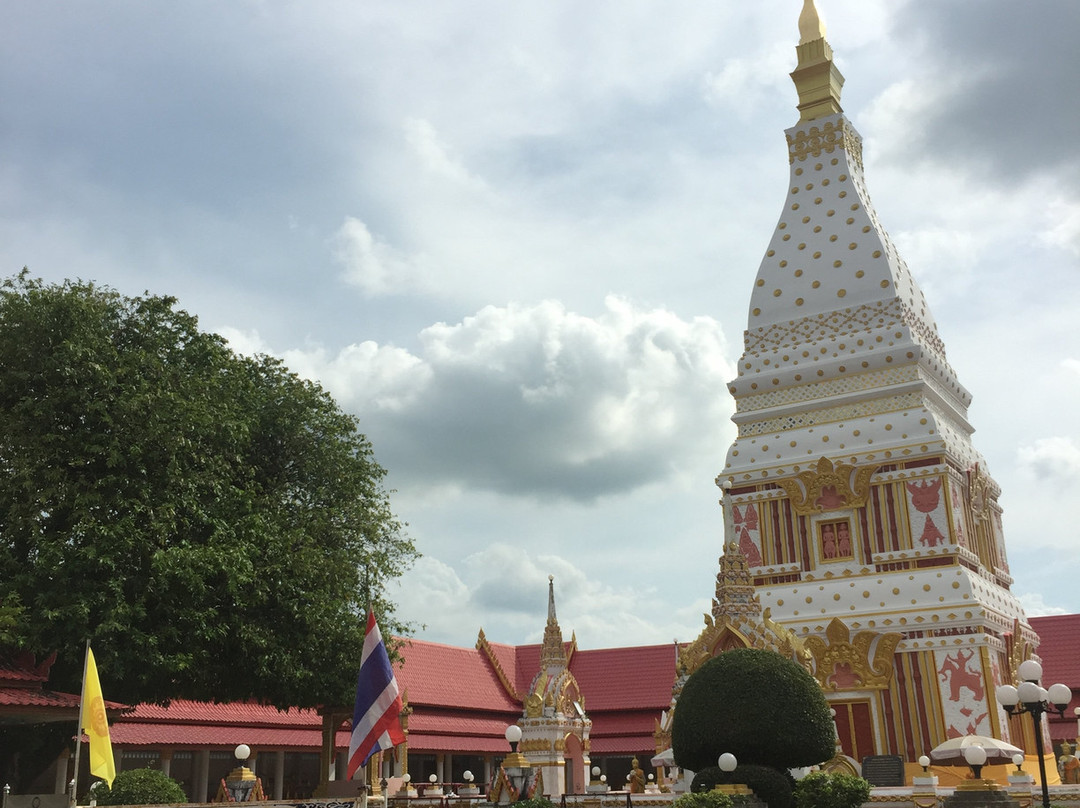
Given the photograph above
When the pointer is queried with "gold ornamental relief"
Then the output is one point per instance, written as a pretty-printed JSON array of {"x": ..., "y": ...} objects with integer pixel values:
[
  {"x": 862, "y": 662},
  {"x": 534, "y": 706},
  {"x": 535, "y": 745},
  {"x": 718, "y": 636},
  {"x": 814, "y": 140},
  {"x": 1021, "y": 649},
  {"x": 981, "y": 493},
  {"x": 828, "y": 487},
  {"x": 787, "y": 642},
  {"x": 569, "y": 696}
]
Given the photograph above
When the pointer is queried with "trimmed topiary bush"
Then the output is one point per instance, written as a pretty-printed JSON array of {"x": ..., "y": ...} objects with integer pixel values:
[
  {"x": 828, "y": 790},
  {"x": 140, "y": 787},
  {"x": 705, "y": 779},
  {"x": 702, "y": 799},
  {"x": 758, "y": 705}
]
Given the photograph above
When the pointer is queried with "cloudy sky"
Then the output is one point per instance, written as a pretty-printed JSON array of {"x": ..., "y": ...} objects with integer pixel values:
[{"x": 518, "y": 241}]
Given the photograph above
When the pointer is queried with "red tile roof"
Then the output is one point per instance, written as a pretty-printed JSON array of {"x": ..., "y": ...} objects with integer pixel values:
[
  {"x": 23, "y": 697},
  {"x": 437, "y": 674},
  {"x": 28, "y": 697},
  {"x": 460, "y": 724},
  {"x": 1059, "y": 635},
  {"x": 240, "y": 712},
  {"x": 626, "y": 678},
  {"x": 453, "y": 743},
  {"x": 21, "y": 669},
  {"x": 459, "y": 703},
  {"x": 625, "y": 722},
  {"x": 629, "y": 745},
  {"x": 194, "y": 723},
  {"x": 1057, "y": 647},
  {"x": 625, "y": 690},
  {"x": 228, "y": 737}
]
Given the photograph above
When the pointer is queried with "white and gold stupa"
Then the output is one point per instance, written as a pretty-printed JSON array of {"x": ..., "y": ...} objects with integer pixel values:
[{"x": 869, "y": 524}]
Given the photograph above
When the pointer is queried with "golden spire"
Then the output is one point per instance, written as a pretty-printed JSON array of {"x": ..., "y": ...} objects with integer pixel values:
[
  {"x": 816, "y": 78},
  {"x": 553, "y": 652}
]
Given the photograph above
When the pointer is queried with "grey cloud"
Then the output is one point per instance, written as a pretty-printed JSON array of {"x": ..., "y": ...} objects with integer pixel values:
[
  {"x": 539, "y": 402},
  {"x": 1011, "y": 67}
]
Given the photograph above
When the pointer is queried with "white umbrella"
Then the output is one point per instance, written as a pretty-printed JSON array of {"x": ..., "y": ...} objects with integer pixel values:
[
  {"x": 665, "y": 758},
  {"x": 997, "y": 751}
]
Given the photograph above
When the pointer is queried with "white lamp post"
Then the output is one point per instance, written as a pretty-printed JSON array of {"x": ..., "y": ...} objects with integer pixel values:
[
  {"x": 925, "y": 783},
  {"x": 1031, "y": 698},
  {"x": 596, "y": 783},
  {"x": 975, "y": 756},
  {"x": 728, "y": 763},
  {"x": 513, "y": 736},
  {"x": 517, "y": 767}
]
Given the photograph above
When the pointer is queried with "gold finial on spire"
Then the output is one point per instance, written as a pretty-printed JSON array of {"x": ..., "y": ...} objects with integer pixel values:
[
  {"x": 551, "y": 598},
  {"x": 816, "y": 78},
  {"x": 811, "y": 26}
]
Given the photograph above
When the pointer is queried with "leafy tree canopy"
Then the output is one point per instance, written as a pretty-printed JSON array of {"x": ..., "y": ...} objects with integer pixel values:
[
  {"x": 758, "y": 705},
  {"x": 214, "y": 524}
]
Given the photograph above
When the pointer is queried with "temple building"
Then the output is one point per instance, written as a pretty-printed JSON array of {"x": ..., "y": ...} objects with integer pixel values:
[
  {"x": 868, "y": 521},
  {"x": 862, "y": 538}
]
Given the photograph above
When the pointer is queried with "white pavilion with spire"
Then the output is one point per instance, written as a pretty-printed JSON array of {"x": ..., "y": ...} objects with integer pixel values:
[
  {"x": 868, "y": 521},
  {"x": 555, "y": 727}
]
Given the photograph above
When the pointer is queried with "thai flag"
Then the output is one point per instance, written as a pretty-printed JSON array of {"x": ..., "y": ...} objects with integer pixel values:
[{"x": 378, "y": 703}]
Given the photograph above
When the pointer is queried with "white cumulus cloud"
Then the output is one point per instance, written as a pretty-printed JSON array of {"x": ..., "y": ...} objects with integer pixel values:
[
  {"x": 535, "y": 400},
  {"x": 375, "y": 266},
  {"x": 1056, "y": 458}
]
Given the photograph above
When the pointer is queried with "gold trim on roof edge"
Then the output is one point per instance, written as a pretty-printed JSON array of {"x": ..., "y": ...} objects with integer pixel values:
[{"x": 483, "y": 645}]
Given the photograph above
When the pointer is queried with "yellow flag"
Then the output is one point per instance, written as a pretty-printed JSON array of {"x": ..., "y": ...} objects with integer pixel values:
[{"x": 96, "y": 725}]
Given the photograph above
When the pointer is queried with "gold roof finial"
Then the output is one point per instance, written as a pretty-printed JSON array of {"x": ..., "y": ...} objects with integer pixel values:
[
  {"x": 811, "y": 26},
  {"x": 816, "y": 77}
]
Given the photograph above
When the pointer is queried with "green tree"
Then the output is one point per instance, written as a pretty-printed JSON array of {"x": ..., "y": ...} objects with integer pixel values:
[
  {"x": 214, "y": 524},
  {"x": 11, "y": 616}
]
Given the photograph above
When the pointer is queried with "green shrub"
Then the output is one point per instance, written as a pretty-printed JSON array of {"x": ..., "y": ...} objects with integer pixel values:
[
  {"x": 703, "y": 799},
  {"x": 534, "y": 802},
  {"x": 140, "y": 787},
  {"x": 756, "y": 704},
  {"x": 828, "y": 790}
]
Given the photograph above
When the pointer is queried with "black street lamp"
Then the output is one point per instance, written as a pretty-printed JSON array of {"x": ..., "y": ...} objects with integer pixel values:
[{"x": 1031, "y": 698}]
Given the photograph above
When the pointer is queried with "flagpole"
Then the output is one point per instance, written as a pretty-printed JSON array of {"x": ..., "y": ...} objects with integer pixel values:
[
  {"x": 79, "y": 728},
  {"x": 368, "y": 769}
]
